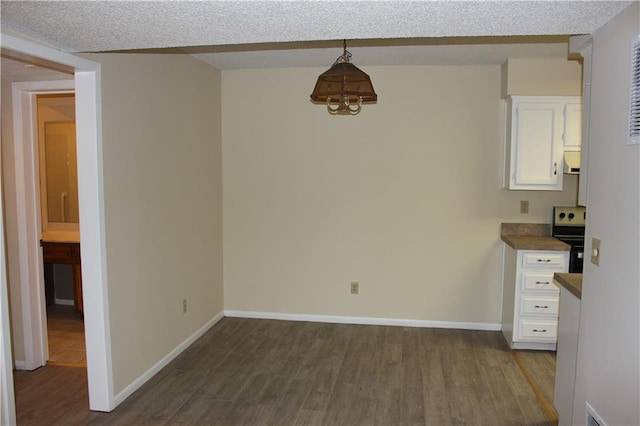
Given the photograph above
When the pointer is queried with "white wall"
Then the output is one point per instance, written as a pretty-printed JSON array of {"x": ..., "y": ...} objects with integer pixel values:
[
  {"x": 162, "y": 198},
  {"x": 608, "y": 374},
  {"x": 541, "y": 76},
  {"x": 404, "y": 198}
]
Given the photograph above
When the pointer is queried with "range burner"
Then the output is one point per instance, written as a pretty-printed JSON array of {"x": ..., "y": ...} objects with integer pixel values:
[{"x": 568, "y": 226}]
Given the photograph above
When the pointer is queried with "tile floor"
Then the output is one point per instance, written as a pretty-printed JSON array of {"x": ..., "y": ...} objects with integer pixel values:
[{"x": 65, "y": 329}]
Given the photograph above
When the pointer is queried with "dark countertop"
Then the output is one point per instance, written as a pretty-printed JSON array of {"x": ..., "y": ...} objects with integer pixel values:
[
  {"x": 572, "y": 282},
  {"x": 531, "y": 236},
  {"x": 525, "y": 242}
]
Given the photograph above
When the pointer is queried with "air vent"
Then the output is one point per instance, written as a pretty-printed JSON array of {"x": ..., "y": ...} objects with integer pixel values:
[
  {"x": 634, "y": 107},
  {"x": 592, "y": 417}
]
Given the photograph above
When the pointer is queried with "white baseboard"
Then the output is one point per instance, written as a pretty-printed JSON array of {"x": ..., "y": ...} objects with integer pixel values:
[
  {"x": 25, "y": 366},
  {"x": 68, "y": 302},
  {"x": 136, "y": 384},
  {"x": 366, "y": 320}
]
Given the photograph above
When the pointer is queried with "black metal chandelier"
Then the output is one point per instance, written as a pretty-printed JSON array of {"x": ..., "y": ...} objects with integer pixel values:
[{"x": 344, "y": 85}]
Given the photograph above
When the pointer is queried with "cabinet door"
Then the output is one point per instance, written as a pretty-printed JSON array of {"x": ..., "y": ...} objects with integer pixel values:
[
  {"x": 572, "y": 135},
  {"x": 536, "y": 145}
]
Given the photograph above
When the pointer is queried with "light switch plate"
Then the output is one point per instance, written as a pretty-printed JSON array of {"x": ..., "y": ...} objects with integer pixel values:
[{"x": 595, "y": 251}]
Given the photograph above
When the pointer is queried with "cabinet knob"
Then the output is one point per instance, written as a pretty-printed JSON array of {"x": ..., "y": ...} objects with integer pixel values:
[
  {"x": 555, "y": 168},
  {"x": 541, "y": 307},
  {"x": 544, "y": 260},
  {"x": 542, "y": 282},
  {"x": 535, "y": 330}
]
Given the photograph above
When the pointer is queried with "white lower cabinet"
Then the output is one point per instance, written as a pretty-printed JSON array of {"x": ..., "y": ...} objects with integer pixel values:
[{"x": 530, "y": 299}]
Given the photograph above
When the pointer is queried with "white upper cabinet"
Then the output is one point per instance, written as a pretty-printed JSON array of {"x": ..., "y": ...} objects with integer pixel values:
[
  {"x": 539, "y": 130},
  {"x": 572, "y": 135}
]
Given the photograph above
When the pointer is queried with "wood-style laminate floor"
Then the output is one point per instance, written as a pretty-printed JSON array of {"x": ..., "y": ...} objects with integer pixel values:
[
  {"x": 264, "y": 372},
  {"x": 540, "y": 369}
]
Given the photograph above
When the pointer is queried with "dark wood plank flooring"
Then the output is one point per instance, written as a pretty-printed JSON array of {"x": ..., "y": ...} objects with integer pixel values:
[{"x": 263, "y": 372}]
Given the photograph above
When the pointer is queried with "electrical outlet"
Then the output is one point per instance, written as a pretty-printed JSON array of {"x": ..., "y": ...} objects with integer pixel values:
[
  {"x": 355, "y": 287},
  {"x": 524, "y": 206},
  {"x": 184, "y": 306}
]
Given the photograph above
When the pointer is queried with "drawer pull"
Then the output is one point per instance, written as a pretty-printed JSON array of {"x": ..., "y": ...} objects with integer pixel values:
[
  {"x": 542, "y": 282},
  {"x": 541, "y": 307},
  {"x": 544, "y": 260},
  {"x": 535, "y": 330}
]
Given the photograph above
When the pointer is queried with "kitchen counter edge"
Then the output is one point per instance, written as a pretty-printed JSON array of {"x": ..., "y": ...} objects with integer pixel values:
[
  {"x": 535, "y": 242},
  {"x": 572, "y": 282},
  {"x": 531, "y": 236}
]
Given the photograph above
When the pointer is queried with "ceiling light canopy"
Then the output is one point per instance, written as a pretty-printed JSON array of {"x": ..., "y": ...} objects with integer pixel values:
[{"x": 344, "y": 85}]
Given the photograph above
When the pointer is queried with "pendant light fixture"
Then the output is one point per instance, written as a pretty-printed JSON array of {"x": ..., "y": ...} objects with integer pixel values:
[{"x": 344, "y": 85}]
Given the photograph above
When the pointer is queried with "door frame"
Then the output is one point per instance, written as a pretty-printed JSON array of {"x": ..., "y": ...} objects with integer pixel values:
[
  {"x": 7, "y": 399},
  {"x": 92, "y": 225},
  {"x": 29, "y": 228}
]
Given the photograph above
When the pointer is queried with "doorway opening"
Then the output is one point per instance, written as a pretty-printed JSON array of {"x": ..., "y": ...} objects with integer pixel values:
[{"x": 60, "y": 238}]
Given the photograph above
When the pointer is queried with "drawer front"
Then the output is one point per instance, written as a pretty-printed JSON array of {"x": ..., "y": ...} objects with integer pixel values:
[
  {"x": 539, "y": 281},
  {"x": 538, "y": 330},
  {"x": 75, "y": 251},
  {"x": 61, "y": 252},
  {"x": 540, "y": 306},
  {"x": 546, "y": 260}
]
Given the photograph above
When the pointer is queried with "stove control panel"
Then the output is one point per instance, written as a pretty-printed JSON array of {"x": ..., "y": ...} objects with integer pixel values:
[{"x": 569, "y": 216}]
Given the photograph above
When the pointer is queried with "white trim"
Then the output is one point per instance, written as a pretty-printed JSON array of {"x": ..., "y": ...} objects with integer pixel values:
[
  {"x": 7, "y": 395},
  {"x": 20, "y": 365},
  {"x": 35, "y": 50},
  {"x": 93, "y": 249},
  {"x": 143, "y": 378},
  {"x": 26, "y": 166},
  {"x": 486, "y": 326},
  {"x": 92, "y": 226},
  {"x": 540, "y": 346}
]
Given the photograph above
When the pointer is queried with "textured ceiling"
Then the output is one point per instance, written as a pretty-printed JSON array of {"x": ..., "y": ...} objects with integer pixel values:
[{"x": 250, "y": 34}]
